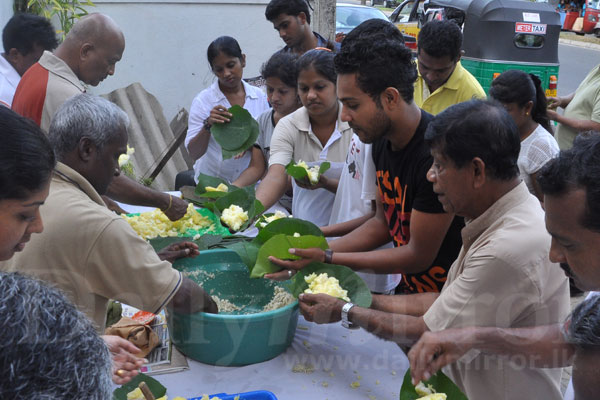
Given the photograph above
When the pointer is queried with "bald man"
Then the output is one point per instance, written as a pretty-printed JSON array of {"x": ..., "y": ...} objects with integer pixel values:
[{"x": 87, "y": 56}]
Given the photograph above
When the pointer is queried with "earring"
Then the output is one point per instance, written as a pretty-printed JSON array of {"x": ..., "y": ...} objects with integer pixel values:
[{"x": 527, "y": 113}]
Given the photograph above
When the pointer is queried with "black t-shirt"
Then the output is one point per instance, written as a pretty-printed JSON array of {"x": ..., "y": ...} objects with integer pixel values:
[{"x": 403, "y": 187}]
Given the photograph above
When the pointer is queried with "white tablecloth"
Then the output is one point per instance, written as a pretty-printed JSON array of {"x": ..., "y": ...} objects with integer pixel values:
[{"x": 339, "y": 356}]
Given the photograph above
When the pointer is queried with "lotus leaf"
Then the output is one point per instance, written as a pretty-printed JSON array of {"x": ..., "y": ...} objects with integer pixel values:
[
  {"x": 278, "y": 246},
  {"x": 236, "y": 135},
  {"x": 358, "y": 291},
  {"x": 440, "y": 382}
]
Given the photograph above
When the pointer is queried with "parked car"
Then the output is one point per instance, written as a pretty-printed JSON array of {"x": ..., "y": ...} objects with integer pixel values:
[{"x": 349, "y": 16}]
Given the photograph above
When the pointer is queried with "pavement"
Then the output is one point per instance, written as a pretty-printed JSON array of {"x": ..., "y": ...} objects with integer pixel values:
[{"x": 578, "y": 43}]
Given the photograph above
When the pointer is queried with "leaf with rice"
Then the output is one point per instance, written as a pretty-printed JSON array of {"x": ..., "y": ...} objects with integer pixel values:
[
  {"x": 440, "y": 383},
  {"x": 357, "y": 289}
]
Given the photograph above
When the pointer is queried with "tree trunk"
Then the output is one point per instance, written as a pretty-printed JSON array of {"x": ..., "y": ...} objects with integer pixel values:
[{"x": 323, "y": 18}]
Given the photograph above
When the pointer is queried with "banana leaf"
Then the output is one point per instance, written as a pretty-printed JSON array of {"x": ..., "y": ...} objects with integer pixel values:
[
  {"x": 440, "y": 382},
  {"x": 288, "y": 226},
  {"x": 278, "y": 246},
  {"x": 236, "y": 135},
  {"x": 155, "y": 387},
  {"x": 300, "y": 172},
  {"x": 358, "y": 291}
]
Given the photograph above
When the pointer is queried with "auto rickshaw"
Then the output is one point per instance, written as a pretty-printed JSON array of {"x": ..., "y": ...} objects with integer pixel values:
[{"x": 499, "y": 35}]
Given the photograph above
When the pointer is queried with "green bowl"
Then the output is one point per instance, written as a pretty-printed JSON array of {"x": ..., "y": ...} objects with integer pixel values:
[{"x": 238, "y": 337}]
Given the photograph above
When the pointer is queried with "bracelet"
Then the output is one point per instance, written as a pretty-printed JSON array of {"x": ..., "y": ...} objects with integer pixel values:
[
  {"x": 206, "y": 125},
  {"x": 170, "y": 203},
  {"x": 328, "y": 256}
]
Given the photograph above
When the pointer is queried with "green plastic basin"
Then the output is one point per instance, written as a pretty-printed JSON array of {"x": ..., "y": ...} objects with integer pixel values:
[{"x": 232, "y": 338}]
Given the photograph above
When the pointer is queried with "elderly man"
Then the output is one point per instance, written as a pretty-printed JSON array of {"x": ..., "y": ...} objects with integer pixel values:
[
  {"x": 502, "y": 277},
  {"x": 48, "y": 349},
  {"x": 25, "y": 37},
  {"x": 570, "y": 184},
  {"x": 442, "y": 79},
  {"x": 88, "y": 251},
  {"x": 88, "y": 54}
]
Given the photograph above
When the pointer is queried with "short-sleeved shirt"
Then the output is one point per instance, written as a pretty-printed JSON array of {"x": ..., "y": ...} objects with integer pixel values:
[
  {"x": 536, "y": 150},
  {"x": 212, "y": 163},
  {"x": 584, "y": 106},
  {"x": 293, "y": 139},
  {"x": 266, "y": 126},
  {"x": 355, "y": 193},
  {"x": 403, "y": 187},
  {"x": 321, "y": 42},
  {"x": 44, "y": 88},
  {"x": 92, "y": 254},
  {"x": 504, "y": 278},
  {"x": 461, "y": 86},
  {"x": 9, "y": 79}
]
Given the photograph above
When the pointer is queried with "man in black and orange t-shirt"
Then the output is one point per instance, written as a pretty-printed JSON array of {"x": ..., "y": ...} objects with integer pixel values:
[{"x": 377, "y": 97}]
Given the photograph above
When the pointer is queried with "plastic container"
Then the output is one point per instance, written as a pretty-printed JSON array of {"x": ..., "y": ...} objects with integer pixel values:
[
  {"x": 232, "y": 339},
  {"x": 256, "y": 395}
]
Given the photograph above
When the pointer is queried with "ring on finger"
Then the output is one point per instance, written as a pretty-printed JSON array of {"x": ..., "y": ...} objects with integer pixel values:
[{"x": 290, "y": 273}]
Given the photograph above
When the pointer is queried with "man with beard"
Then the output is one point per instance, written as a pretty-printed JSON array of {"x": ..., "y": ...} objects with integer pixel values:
[{"x": 378, "y": 104}]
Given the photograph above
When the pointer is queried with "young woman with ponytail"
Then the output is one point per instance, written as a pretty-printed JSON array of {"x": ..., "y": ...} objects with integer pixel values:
[{"x": 522, "y": 96}]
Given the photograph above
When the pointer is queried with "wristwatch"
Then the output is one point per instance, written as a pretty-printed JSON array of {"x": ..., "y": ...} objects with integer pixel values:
[
  {"x": 345, "y": 321},
  {"x": 328, "y": 256}
]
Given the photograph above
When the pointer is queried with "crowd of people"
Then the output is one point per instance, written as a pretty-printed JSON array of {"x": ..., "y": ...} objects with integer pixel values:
[{"x": 464, "y": 215}]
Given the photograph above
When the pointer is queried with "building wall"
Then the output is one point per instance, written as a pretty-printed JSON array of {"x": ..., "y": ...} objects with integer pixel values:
[{"x": 166, "y": 44}]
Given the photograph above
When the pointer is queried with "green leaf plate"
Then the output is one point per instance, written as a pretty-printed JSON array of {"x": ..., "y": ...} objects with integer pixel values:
[
  {"x": 440, "y": 382},
  {"x": 207, "y": 180},
  {"x": 288, "y": 226},
  {"x": 237, "y": 135},
  {"x": 155, "y": 387},
  {"x": 242, "y": 197},
  {"x": 278, "y": 246},
  {"x": 358, "y": 291},
  {"x": 301, "y": 173}
]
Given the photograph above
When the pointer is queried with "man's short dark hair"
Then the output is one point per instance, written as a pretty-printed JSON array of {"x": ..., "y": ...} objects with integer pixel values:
[
  {"x": 477, "y": 128},
  {"x": 375, "y": 51},
  {"x": 24, "y": 31},
  {"x": 441, "y": 39},
  {"x": 576, "y": 168},
  {"x": 289, "y": 7}
]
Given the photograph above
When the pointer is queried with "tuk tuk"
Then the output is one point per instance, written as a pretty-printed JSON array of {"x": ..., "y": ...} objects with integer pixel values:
[{"x": 499, "y": 35}]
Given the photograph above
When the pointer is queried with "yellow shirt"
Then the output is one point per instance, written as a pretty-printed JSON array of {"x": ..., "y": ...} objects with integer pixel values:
[
  {"x": 92, "y": 254},
  {"x": 461, "y": 86}
]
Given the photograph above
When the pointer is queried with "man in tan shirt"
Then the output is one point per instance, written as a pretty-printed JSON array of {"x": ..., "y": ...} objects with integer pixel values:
[
  {"x": 88, "y": 251},
  {"x": 502, "y": 276}
]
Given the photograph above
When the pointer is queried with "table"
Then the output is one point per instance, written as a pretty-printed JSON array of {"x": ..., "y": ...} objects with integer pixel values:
[{"x": 340, "y": 357}]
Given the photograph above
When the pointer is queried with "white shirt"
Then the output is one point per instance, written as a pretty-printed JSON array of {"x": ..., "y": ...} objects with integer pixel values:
[
  {"x": 356, "y": 190},
  {"x": 9, "y": 79},
  {"x": 536, "y": 150},
  {"x": 212, "y": 163}
]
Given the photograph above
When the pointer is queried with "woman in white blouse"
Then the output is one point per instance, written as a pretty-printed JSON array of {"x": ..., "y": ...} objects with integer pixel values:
[
  {"x": 210, "y": 107},
  {"x": 522, "y": 96}
]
